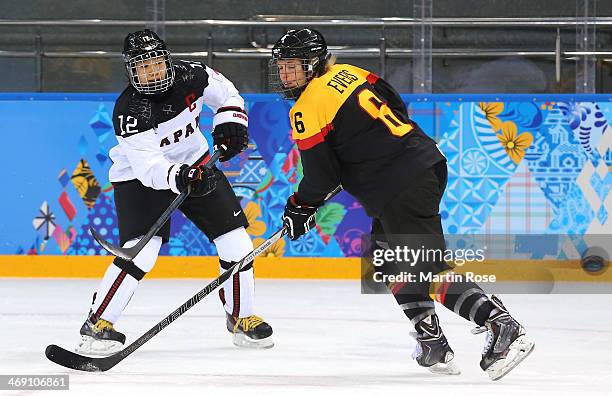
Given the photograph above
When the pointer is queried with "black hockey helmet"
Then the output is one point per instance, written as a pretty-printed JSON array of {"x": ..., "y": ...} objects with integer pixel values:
[
  {"x": 306, "y": 45},
  {"x": 145, "y": 48}
]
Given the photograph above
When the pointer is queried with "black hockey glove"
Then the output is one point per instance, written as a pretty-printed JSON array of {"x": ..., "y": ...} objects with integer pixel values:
[
  {"x": 298, "y": 218},
  {"x": 234, "y": 136},
  {"x": 203, "y": 180}
]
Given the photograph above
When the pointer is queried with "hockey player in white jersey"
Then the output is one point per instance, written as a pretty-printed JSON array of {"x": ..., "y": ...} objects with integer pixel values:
[{"x": 156, "y": 122}]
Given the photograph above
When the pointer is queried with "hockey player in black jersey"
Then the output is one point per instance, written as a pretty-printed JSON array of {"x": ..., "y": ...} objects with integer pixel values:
[
  {"x": 352, "y": 128},
  {"x": 156, "y": 121}
]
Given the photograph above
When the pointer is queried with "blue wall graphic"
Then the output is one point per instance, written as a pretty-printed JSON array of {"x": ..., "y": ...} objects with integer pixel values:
[{"x": 519, "y": 164}]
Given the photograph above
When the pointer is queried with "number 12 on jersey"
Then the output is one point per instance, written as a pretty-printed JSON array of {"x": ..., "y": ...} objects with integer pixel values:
[{"x": 127, "y": 124}]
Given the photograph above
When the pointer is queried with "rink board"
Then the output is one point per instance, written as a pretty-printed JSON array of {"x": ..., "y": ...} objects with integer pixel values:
[
  {"x": 167, "y": 267},
  {"x": 558, "y": 184}
]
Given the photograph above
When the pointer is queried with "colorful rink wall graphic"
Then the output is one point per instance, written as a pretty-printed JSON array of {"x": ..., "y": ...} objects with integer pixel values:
[{"x": 521, "y": 164}]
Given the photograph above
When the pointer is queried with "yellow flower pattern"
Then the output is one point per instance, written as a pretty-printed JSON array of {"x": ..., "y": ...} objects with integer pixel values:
[
  {"x": 276, "y": 250},
  {"x": 514, "y": 145},
  {"x": 492, "y": 111},
  {"x": 253, "y": 213},
  {"x": 507, "y": 132},
  {"x": 257, "y": 228}
]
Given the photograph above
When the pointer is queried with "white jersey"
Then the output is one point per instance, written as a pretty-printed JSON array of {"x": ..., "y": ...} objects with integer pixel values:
[{"x": 160, "y": 133}]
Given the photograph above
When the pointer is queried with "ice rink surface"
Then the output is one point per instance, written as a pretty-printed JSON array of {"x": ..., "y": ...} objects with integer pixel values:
[{"x": 330, "y": 340}]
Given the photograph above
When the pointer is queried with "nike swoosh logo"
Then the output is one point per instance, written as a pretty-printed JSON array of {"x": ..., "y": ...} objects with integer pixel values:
[{"x": 236, "y": 213}]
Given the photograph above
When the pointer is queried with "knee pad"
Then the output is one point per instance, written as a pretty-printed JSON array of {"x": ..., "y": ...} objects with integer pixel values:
[
  {"x": 233, "y": 246},
  {"x": 143, "y": 262},
  {"x": 227, "y": 264}
]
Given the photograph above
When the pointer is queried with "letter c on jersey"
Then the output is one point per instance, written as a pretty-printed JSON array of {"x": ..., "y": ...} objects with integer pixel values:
[{"x": 190, "y": 100}]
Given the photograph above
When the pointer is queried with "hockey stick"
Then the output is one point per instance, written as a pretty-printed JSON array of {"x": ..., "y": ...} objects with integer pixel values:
[
  {"x": 75, "y": 361},
  {"x": 131, "y": 252}
]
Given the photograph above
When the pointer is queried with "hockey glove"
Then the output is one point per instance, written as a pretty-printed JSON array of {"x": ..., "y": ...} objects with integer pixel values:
[
  {"x": 298, "y": 218},
  {"x": 202, "y": 180},
  {"x": 230, "y": 129}
]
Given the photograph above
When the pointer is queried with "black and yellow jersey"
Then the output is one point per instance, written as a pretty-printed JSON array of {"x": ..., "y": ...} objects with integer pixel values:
[{"x": 352, "y": 128}]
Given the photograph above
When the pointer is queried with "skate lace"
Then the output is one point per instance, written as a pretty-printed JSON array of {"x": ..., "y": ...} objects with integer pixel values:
[
  {"x": 417, "y": 348},
  {"x": 488, "y": 340},
  {"x": 248, "y": 323}
]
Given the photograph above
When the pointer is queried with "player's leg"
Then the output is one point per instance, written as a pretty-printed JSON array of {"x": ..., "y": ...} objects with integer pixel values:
[
  {"x": 506, "y": 344},
  {"x": 98, "y": 335},
  {"x": 238, "y": 294},
  {"x": 220, "y": 216},
  {"x": 432, "y": 349},
  {"x": 137, "y": 209},
  {"x": 413, "y": 218}
]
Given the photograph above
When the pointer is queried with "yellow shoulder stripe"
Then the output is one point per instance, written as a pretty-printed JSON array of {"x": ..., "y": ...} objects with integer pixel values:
[{"x": 318, "y": 105}]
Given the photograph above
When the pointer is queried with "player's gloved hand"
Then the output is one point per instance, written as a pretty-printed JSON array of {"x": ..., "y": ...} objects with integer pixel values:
[
  {"x": 202, "y": 180},
  {"x": 298, "y": 218},
  {"x": 234, "y": 136},
  {"x": 230, "y": 129}
]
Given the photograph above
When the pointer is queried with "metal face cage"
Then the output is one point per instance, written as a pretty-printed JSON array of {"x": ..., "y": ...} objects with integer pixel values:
[
  {"x": 276, "y": 75},
  {"x": 152, "y": 72}
]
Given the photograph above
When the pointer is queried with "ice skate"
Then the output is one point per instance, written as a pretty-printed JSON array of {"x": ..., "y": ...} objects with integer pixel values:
[
  {"x": 432, "y": 350},
  {"x": 506, "y": 344},
  {"x": 99, "y": 339},
  {"x": 250, "y": 332}
]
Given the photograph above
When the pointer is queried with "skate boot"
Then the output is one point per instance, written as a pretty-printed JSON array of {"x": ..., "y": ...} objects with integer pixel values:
[
  {"x": 250, "y": 332},
  {"x": 432, "y": 350},
  {"x": 99, "y": 339},
  {"x": 506, "y": 344}
]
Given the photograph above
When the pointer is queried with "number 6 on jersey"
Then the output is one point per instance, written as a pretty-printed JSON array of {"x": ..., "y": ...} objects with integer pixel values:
[{"x": 378, "y": 109}]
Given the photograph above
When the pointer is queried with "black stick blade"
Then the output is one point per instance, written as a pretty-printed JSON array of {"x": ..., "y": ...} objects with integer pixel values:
[
  {"x": 74, "y": 361},
  {"x": 124, "y": 253}
]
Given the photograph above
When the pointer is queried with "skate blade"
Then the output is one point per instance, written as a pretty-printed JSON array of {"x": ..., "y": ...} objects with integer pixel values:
[
  {"x": 449, "y": 368},
  {"x": 243, "y": 341},
  {"x": 519, "y": 350},
  {"x": 92, "y": 347}
]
